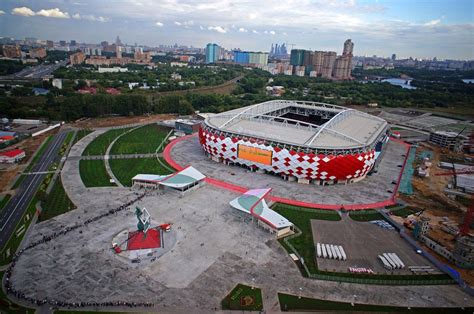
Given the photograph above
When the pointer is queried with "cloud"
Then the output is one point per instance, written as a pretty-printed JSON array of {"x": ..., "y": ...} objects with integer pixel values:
[
  {"x": 177, "y": 23},
  {"x": 272, "y": 32},
  {"x": 159, "y": 24},
  {"x": 433, "y": 22},
  {"x": 23, "y": 11},
  {"x": 243, "y": 30},
  {"x": 56, "y": 13},
  {"x": 254, "y": 31},
  {"x": 218, "y": 29},
  {"x": 2, "y": 12},
  {"x": 93, "y": 18},
  {"x": 201, "y": 27}
]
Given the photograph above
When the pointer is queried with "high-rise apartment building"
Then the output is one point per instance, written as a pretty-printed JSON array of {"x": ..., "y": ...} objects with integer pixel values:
[
  {"x": 118, "y": 52},
  {"x": 10, "y": 51},
  {"x": 329, "y": 58},
  {"x": 49, "y": 43},
  {"x": 249, "y": 57},
  {"x": 297, "y": 57},
  {"x": 212, "y": 53},
  {"x": 77, "y": 58}
]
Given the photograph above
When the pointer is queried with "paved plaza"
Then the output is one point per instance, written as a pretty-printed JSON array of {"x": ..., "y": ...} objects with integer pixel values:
[
  {"x": 215, "y": 250},
  {"x": 372, "y": 189}
]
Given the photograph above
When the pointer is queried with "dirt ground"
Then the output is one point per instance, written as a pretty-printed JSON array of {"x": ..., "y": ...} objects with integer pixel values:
[
  {"x": 90, "y": 123},
  {"x": 30, "y": 146}
]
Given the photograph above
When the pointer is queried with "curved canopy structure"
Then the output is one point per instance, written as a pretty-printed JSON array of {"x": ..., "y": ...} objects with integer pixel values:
[{"x": 252, "y": 202}]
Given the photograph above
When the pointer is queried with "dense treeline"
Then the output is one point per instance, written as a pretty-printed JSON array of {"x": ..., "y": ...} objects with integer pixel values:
[
  {"x": 158, "y": 77},
  {"x": 10, "y": 67}
]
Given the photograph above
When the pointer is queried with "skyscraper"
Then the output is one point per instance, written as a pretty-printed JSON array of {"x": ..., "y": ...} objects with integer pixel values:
[
  {"x": 297, "y": 57},
  {"x": 212, "y": 53},
  {"x": 348, "y": 47}
]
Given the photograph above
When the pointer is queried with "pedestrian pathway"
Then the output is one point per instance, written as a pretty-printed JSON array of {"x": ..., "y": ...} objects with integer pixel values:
[{"x": 122, "y": 156}]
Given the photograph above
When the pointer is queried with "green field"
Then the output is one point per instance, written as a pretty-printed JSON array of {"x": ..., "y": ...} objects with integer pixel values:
[
  {"x": 142, "y": 140},
  {"x": 366, "y": 215},
  {"x": 56, "y": 203},
  {"x": 243, "y": 298},
  {"x": 301, "y": 218},
  {"x": 100, "y": 144},
  {"x": 4, "y": 201},
  {"x": 93, "y": 173},
  {"x": 125, "y": 169},
  {"x": 294, "y": 303}
]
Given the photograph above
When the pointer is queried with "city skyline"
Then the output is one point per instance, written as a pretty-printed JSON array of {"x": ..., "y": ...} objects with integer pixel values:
[{"x": 379, "y": 27}]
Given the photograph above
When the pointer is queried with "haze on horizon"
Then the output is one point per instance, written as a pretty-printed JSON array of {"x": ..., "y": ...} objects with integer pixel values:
[{"x": 421, "y": 29}]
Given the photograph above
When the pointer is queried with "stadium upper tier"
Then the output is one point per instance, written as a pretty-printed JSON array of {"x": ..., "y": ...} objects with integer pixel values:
[{"x": 310, "y": 125}]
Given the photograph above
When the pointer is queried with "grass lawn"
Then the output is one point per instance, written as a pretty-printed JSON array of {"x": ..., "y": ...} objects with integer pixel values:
[
  {"x": 142, "y": 140},
  {"x": 7, "y": 306},
  {"x": 243, "y": 298},
  {"x": 4, "y": 201},
  {"x": 365, "y": 215},
  {"x": 57, "y": 202},
  {"x": 100, "y": 144},
  {"x": 301, "y": 218},
  {"x": 125, "y": 169},
  {"x": 403, "y": 212},
  {"x": 93, "y": 173},
  {"x": 293, "y": 303},
  {"x": 80, "y": 134}
]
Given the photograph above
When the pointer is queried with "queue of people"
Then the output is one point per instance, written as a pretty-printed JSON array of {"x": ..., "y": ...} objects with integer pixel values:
[{"x": 57, "y": 303}]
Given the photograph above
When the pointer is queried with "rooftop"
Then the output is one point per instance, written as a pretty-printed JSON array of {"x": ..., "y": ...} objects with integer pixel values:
[{"x": 345, "y": 128}]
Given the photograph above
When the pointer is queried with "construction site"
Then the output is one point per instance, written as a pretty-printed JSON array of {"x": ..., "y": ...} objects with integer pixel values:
[{"x": 438, "y": 206}]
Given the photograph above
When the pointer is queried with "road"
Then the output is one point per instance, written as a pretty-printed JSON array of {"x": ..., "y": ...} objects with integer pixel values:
[
  {"x": 35, "y": 72},
  {"x": 16, "y": 207}
]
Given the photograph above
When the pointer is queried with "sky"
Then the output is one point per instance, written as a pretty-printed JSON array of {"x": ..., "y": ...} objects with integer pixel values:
[{"x": 416, "y": 28}]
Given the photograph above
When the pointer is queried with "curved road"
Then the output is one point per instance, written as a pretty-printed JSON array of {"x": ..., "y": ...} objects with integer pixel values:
[{"x": 12, "y": 213}]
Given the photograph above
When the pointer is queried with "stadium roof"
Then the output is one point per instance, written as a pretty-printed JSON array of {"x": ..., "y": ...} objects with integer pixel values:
[
  {"x": 346, "y": 128},
  {"x": 252, "y": 202}
]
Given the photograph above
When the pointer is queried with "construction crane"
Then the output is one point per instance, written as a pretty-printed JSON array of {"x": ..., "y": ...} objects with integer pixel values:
[{"x": 292, "y": 45}]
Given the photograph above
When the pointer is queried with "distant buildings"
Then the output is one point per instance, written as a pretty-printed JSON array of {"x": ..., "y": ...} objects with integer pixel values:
[
  {"x": 250, "y": 58},
  {"x": 278, "y": 51},
  {"x": 324, "y": 64},
  {"x": 212, "y": 53},
  {"x": 11, "y": 51},
  {"x": 77, "y": 58},
  {"x": 38, "y": 53}
]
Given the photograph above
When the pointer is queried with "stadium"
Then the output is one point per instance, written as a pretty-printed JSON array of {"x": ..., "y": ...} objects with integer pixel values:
[{"x": 310, "y": 142}]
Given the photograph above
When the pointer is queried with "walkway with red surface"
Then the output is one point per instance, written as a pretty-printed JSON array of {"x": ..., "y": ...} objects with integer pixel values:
[
  {"x": 239, "y": 189},
  {"x": 138, "y": 241}
]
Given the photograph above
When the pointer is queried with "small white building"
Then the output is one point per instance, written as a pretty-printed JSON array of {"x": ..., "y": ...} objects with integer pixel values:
[{"x": 58, "y": 83}]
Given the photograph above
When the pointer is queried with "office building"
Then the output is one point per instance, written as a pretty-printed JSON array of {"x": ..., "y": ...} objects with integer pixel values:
[
  {"x": 73, "y": 43},
  {"x": 49, "y": 43}
]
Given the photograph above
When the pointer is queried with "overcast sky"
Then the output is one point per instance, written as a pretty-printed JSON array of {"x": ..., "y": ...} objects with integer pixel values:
[{"x": 418, "y": 28}]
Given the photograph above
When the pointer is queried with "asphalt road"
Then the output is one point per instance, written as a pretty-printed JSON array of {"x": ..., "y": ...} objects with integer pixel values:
[
  {"x": 36, "y": 71},
  {"x": 16, "y": 207}
]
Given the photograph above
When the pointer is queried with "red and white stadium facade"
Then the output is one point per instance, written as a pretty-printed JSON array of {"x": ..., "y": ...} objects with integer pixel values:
[
  {"x": 290, "y": 163},
  {"x": 305, "y": 163}
]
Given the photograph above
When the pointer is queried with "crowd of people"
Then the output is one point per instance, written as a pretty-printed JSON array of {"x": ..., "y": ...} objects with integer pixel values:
[{"x": 57, "y": 303}]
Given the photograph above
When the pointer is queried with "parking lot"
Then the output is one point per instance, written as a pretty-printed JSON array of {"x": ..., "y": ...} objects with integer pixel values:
[{"x": 362, "y": 242}]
